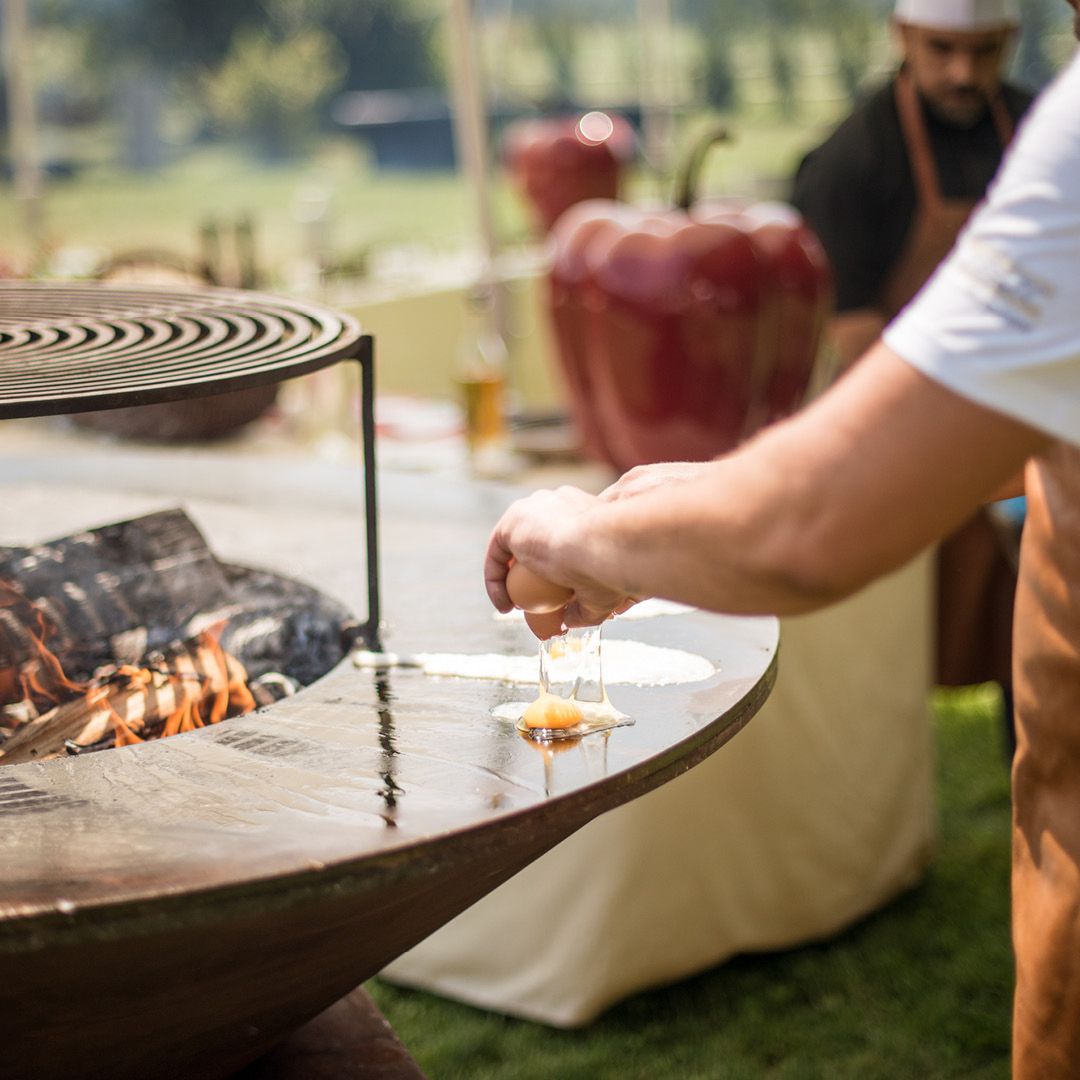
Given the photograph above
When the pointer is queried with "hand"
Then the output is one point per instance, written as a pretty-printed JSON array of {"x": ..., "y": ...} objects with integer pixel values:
[
  {"x": 549, "y": 533},
  {"x": 645, "y": 478}
]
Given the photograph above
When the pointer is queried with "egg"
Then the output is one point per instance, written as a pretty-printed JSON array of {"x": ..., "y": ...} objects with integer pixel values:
[
  {"x": 532, "y": 593},
  {"x": 552, "y": 712}
]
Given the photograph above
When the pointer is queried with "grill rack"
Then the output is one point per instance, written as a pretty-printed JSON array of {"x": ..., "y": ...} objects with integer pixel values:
[{"x": 68, "y": 347}]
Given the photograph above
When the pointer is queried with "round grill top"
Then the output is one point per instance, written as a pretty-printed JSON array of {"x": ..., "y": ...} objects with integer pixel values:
[{"x": 71, "y": 347}]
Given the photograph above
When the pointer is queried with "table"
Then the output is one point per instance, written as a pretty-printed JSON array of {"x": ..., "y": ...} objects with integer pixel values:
[{"x": 222, "y": 887}]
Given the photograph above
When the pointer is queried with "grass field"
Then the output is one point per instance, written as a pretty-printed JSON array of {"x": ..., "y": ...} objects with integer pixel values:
[
  {"x": 105, "y": 209},
  {"x": 921, "y": 989}
]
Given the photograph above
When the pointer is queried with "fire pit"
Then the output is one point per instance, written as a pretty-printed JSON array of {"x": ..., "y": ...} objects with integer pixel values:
[
  {"x": 180, "y": 906},
  {"x": 136, "y": 631}
]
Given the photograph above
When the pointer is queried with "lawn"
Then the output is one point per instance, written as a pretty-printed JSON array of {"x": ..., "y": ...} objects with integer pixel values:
[
  {"x": 922, "y": 989},
  {"x": 105, "y": 209}
]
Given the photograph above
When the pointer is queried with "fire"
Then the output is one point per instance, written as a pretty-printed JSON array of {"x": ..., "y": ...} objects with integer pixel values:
[{"x": 44, "y": 712}]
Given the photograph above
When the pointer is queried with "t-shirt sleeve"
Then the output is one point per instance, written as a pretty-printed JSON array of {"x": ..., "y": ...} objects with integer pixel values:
[
  {"x": 999, "y": 321},
  {"x": 830, "y": 192}
]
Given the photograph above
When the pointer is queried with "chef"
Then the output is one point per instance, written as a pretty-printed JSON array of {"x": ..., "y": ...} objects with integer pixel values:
[
  {"x": 889, "y": 190},
  {"x": 979, "y": 375},
  {"x": 887, "y": 193}
]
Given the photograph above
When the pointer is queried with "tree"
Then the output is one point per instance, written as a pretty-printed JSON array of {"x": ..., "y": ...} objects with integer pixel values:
[{"x": 270, "y": 87}]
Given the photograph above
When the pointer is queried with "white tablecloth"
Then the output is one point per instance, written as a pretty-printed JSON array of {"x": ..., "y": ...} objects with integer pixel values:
[{"x": 816, "y": 814}]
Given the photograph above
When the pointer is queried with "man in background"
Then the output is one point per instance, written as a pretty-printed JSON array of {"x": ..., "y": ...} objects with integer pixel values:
[
  {"x": 890, "y": 189},
  {"x": 888, "y": 193}
]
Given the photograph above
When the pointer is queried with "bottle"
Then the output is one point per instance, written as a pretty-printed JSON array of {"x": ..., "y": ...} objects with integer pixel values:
[{"x": 481, "y": 380}]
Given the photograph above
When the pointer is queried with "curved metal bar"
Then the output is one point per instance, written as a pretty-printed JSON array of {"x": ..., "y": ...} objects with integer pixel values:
[{"x": 71, "y": 347}]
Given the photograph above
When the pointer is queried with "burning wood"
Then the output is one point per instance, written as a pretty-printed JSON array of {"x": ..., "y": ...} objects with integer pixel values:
[
  {"x": 90, "y": 625},
  {"x": 192, "y": 684}
]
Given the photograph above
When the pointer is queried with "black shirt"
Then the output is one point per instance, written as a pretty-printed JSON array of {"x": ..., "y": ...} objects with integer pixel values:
[{"x": 857, "y": 190}]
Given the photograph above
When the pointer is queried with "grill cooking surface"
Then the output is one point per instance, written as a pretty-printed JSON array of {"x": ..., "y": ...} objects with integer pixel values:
[{"x": 73, "y": 347}]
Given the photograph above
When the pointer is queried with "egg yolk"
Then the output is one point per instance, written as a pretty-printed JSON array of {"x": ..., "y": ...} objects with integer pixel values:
[{"x": 552, "y": 711}]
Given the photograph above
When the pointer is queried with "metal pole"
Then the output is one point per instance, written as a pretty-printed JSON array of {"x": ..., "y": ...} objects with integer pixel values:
[
  {"x": 373, "y": 628},
  {"x": 22, "y": 120}
]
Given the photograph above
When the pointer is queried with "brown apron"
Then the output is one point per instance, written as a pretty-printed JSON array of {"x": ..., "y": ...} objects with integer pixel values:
[
  {"x": 976, "y": 581},
  {"x": 1046, "y": 775}
]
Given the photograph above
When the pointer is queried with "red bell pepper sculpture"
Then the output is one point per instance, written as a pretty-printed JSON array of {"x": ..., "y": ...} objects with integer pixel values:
[
  {"x": 559, "y": 162},
  {"x": 681, "y": 332}
]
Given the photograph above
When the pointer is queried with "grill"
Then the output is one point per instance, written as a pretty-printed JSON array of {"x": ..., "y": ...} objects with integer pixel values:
[
  {"x": 218, "y": 888},
  {"x": 78, "y": 347}
]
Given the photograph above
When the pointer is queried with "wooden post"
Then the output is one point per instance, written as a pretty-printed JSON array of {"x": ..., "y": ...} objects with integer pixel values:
[
  {"x": 654, "y": 27},
  {"x": 22, "y": 120},
  {"x": 472, "y": 139},
  {"x": 471, "y": 124}
]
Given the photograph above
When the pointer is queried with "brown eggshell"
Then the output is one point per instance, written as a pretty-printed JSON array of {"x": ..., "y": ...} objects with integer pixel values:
[{"x": 530, "y": 592}]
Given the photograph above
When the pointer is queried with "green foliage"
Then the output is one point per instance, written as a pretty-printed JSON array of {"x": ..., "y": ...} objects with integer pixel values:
[
  {"x": 272, "y": 88},
  {"x": 922, "y": 989},
  {"x": 720, "y": 81},
  {"x": 556, "y": 35},
  {"x": 170, "y": 35},
  {"x": 387, "y": 42}
]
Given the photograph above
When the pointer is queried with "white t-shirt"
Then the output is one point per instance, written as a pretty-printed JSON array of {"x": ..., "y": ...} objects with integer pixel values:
[{"x": 999, "y": 321}]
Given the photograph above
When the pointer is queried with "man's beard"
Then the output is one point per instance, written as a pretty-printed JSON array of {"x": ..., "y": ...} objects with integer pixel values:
[{"x": 962, "y": 116}]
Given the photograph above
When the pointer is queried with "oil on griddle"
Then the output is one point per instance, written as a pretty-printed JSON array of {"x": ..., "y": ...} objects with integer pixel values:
[{"x": 135, "y": 631}]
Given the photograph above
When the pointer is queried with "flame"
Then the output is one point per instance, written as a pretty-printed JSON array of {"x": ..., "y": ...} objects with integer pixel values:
[
  {"x": 40, "y": 679},
  {"x": 191, "y": 685}
]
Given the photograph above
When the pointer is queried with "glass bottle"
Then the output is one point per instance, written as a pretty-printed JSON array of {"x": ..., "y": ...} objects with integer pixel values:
[{"x": 481, "y": 380}]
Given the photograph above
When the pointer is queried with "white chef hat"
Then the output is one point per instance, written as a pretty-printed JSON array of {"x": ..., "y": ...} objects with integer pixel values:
[{"x": 958, "y": 14}]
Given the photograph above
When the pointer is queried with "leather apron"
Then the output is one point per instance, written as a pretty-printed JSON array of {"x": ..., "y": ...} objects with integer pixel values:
[
  {"x": 975, "y": 580},
  {"x": 1046, "y": 775}
]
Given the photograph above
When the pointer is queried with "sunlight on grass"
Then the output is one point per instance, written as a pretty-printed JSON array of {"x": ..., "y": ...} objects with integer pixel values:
[{"x": 922, "y": 989}]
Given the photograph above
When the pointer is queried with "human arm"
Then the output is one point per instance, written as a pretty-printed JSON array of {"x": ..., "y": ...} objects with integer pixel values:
[
  {"x": 851, "y": 333},
  {"x": 806, "y": 513},
  {"x": 977, "y": 375}
]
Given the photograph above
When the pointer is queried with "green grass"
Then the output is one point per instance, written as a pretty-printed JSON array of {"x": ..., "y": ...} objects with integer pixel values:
[
  {"x": 107, "y": 209},
  {"x": 921, "y": 989},
  {"x": 114, "y": 210}
]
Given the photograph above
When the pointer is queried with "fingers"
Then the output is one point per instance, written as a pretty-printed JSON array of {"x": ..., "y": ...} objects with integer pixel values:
[
  {"x": 524, "y": 532},
  {"x": 497, "y": 561},
  {"x": 545, "y": 531},
  {"x": 590, "y": 612}
]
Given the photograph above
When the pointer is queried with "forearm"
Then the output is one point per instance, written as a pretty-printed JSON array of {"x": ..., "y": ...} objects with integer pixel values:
[
  {"x": 812, "y": 509},
  {"x": 724, "y": 540},
  {"x": 851, "y": 333}
]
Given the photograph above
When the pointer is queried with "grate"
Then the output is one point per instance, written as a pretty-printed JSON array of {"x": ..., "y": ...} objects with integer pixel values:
[{"x": 72, "y": 347}]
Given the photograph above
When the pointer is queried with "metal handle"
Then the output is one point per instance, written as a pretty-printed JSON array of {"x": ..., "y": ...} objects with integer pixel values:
[{"x": 686, "y": 180}]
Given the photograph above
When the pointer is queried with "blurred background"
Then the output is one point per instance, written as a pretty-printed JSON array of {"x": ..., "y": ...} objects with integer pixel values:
[
  {"x": 309, "y": 146},
  {"x": 327, "y": 123}
]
